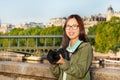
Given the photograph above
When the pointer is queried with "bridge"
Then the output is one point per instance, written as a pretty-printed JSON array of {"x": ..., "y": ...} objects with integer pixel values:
[
  {"x": 36, "y": 48},
  {"x": 27, "y": 37}
]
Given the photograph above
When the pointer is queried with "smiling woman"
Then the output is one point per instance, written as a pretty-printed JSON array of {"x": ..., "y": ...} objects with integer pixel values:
[{"x": 80, "y": 52}]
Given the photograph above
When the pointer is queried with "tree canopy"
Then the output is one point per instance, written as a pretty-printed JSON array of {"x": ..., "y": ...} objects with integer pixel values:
[
  {"x": 107, "y": 35},
  {"x": 55, "y": 30}
]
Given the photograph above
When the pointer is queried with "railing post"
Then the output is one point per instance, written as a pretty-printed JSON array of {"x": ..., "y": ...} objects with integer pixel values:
[
  {"x": 26, "y": 42},
  {"x": 54, "y": 41},
  {"x": 18, "y": 42},
  {"x": 9, "y": 42},
  {"x": 45, "y": 42},
  {"x": 36, "y": 41}
]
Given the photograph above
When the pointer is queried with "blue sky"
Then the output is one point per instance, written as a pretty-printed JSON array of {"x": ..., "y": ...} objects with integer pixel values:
[{"x": 19, "y": 11}]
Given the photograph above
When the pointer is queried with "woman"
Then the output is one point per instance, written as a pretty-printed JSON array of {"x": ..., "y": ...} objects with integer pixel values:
[{"x": 74, "y": 41}]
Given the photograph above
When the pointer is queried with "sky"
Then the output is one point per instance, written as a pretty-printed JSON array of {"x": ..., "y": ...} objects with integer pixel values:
[{"x": 20, "y": 11}]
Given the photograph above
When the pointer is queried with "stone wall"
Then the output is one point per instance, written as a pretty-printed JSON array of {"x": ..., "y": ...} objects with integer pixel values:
[
  {"x": 24, "y": 71},
  {"x": 35, "y": 71},
  {"x": 105, "y": 74}
]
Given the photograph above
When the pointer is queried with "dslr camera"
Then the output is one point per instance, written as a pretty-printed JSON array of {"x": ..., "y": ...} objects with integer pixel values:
[{"x": 53, "y": 56}]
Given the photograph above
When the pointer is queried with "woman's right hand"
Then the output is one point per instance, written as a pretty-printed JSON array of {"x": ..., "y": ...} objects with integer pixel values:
[{"x": 61, "y": 60}]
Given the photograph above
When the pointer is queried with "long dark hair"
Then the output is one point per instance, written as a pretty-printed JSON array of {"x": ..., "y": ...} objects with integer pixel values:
[{"x": 82, "y": 35}]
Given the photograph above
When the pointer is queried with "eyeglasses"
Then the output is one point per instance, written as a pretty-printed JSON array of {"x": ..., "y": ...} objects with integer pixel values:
[{"x": 72, "y": 26}]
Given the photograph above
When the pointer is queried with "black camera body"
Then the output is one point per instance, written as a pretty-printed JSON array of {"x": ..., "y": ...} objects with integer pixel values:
[{"x": 53, "y": 56}]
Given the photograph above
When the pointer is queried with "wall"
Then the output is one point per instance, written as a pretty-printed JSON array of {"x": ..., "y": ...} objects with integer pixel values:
[
  {"x": 105, "y": 74},
  {"x": 24, "y": 71},
  {"x": 35, "y": 71}
]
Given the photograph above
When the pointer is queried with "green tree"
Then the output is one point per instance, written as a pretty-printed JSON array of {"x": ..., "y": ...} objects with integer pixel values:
[
  {"x": 107, "y": 35},
  {"x": 54, "y": 30}
]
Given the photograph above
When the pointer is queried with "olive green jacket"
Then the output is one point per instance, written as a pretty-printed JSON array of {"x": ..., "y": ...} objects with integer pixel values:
[{"x": 78, "y": 66}]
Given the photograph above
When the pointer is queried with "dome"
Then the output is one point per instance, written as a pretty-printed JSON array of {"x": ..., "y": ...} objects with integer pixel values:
[{"x": 110, "y": 9}]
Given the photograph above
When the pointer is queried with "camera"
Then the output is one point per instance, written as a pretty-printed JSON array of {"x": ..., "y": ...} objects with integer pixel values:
[{"x": 53, "y": 56}]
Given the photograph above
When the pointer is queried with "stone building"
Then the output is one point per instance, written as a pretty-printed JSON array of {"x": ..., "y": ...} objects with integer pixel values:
[
  {"x": 4, "y": 28},
  {"x": 94, "y": 19},
  {"x": 110, "y": 12},
  {"x": 56, "y": 22},
  {"x": 28, "y": 25}
]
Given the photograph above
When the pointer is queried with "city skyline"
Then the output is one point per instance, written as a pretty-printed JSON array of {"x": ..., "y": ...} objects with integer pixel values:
[{"x": 15, "y": 12}]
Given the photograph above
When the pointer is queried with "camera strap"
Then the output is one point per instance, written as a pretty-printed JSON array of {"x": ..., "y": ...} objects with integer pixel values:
[{"x": 78, "y": 47}]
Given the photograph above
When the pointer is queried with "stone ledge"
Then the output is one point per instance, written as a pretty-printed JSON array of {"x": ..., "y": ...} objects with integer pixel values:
[
  {"x": 105, "y": 74},
  {"x": 31, "y": 71},
  {"x": 26, "y": 69}
]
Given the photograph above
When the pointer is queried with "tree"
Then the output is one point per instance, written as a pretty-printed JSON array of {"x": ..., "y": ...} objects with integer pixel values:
[
  {"x": 107, "y": 35},
  {"x": 54, "y": 30}
]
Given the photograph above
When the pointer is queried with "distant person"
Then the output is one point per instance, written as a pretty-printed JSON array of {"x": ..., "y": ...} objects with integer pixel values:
[{"x": 80, "y": 52}]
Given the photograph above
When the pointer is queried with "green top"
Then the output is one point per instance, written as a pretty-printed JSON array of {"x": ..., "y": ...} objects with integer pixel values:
[
  {"x": 71, "y": 50},
  {"x": 78, "y": 66}
]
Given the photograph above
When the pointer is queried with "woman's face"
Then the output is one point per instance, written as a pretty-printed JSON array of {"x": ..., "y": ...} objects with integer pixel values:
[{"x": 72, "y": 29}]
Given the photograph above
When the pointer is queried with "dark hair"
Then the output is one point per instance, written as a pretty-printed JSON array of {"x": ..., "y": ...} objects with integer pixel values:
[{"x": 82, "y": 35}]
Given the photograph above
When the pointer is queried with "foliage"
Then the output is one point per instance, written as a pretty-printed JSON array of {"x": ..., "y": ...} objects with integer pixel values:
[
  {"x": 92, "y": 30},
  {"x": 54, "y": 30},
  {"x": 107, "y": 35}
]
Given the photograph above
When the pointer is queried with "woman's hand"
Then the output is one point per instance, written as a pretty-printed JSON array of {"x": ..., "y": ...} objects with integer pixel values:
[{"x": 61, "y": 61}]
